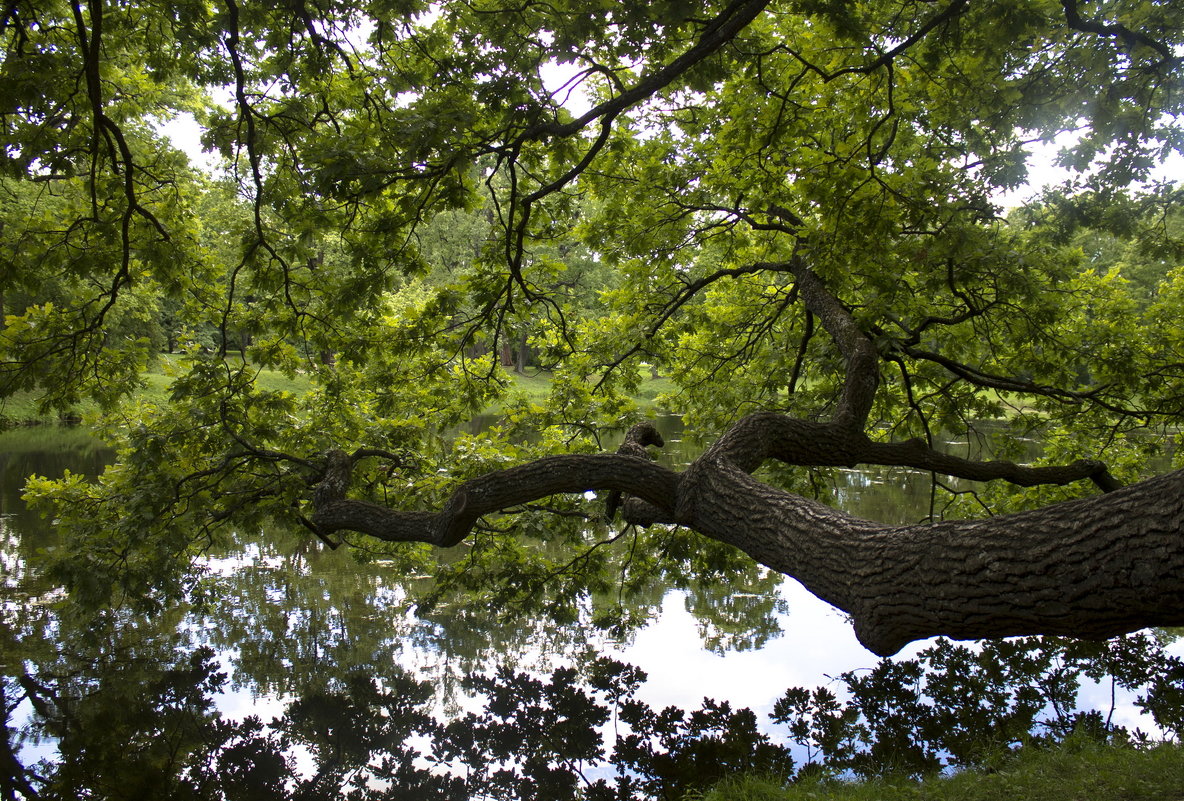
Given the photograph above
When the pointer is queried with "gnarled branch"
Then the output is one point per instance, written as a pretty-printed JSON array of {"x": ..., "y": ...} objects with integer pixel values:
[{"x": 487, "y": 494}]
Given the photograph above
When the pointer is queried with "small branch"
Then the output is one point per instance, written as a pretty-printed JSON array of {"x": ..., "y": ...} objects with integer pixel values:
[
  {"x": 768, "y": 435},
  {"x": 1131, "y": 39},
  {"x": 991, "y": 381},
  {"x": 948, "y": 13},
  {"x": 331, "y": 544},
  {"x": 800, "y": 358},
  {"x": 684, "y": 295},
  {"x": 718, "y": 33},
  {"x": 863, "y": 372}
]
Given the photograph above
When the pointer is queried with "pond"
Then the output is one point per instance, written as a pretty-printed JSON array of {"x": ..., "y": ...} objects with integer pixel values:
[{"x": 281, "y": 614}]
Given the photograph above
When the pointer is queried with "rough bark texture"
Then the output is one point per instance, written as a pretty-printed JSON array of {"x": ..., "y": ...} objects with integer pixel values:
[
  {"x": 1090, "y": 568},
  {"x": 488, "y": 494}
]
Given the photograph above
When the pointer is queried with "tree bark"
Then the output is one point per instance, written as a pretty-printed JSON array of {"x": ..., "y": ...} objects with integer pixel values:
[{"x": 1090, "y": 568}]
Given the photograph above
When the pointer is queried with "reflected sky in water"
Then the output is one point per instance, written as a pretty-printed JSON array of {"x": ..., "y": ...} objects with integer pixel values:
[{"x": 282, "y": 613}]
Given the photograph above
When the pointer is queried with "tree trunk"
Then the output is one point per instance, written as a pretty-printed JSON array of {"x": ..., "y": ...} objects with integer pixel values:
[
  {"x": 1090, "y": 568},
  {"x": 522, "y": 352}
]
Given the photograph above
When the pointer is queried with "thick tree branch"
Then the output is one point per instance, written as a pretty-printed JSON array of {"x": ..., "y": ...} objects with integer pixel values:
[
  {"x": 768, "y": 435},
  {"x": 917, "y": 454},
  {"x": 487, "y": 494},
  {"x": 1091, "y": 568},
  {"x": 637, "y": 440}
]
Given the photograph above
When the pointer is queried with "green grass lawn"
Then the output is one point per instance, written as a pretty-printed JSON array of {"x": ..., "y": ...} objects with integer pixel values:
[
  {"x": 22, "y": 408},
  {"x": 537, "y": 385}
]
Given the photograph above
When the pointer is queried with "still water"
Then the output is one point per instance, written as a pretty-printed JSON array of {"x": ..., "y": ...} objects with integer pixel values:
[{"x": 280, "y": 614}]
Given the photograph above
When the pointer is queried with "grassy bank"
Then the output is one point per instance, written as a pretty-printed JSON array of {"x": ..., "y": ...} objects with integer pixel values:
[
  {"x": 537, "y": 385},
  {"x": 1076, "y": 771},
  {"x": 22, "y": 408}
]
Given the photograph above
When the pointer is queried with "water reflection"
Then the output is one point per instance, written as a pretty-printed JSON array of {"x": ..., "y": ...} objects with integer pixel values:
[
  {"x": 114, "y": 695},
  {"x": 278, "y": 608},
  {"x": 48, "y": 451}
]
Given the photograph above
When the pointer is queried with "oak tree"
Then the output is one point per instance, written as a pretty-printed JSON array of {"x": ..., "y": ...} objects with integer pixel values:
[{"x": 800, "y": 209}]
